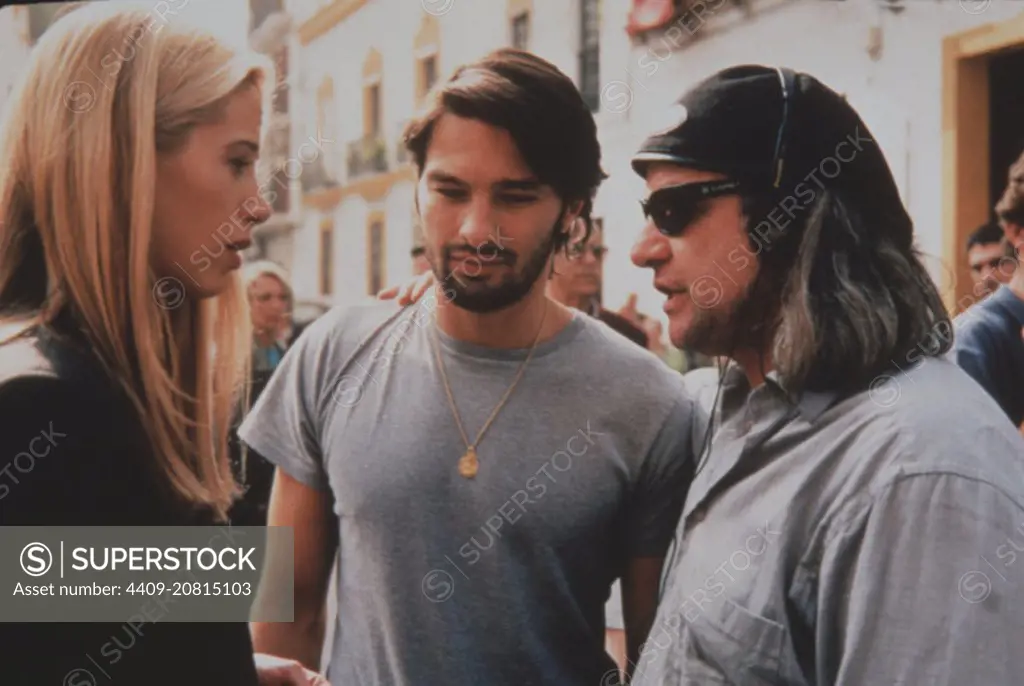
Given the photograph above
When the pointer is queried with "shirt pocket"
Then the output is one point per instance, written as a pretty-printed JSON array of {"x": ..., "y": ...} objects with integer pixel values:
[
  {"x": 744, "y": 647},
  {"x": 694, "y": 668}
]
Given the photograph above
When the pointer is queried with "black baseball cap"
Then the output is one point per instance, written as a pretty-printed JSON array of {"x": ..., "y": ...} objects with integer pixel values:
[{"x": 774, "y": 128}]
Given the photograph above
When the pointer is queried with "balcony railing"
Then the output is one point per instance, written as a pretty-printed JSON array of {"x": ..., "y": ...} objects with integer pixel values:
[
  {"x": 315, "y": 177},
  {"x": 367, "y": 156}
]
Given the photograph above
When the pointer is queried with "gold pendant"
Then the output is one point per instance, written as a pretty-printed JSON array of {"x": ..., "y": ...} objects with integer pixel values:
[{"x": 468, "y": 464}]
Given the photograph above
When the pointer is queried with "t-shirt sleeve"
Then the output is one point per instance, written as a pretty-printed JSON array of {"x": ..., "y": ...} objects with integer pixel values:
[
  {"x": 284, "y": 424},
  {"x": 657, "y": 499}
]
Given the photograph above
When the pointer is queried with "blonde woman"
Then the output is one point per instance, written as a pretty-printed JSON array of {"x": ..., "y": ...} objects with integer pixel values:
[
  {"x": 128, "y": 190},
  {"x": 270, "y": 297}
]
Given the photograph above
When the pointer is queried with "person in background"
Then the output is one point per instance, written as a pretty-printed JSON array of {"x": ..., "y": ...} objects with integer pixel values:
[
  {"x": 576, "y": 278},
  {"x": 988, "y": 343},
  {"x": 300, "y": 316},
  {"x": 122, "y": 316},
  {"x": 269, "y": 295},
  {"x": 420, "y": 263},
  {"x": 991, "y": 259}
]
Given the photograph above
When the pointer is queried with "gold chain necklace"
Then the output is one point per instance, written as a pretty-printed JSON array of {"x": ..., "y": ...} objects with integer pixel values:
[{"x": 468, "y": 463}]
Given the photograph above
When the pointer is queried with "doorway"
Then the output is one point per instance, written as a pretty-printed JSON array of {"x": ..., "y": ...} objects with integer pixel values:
[{"x": 1006, "y": 119}]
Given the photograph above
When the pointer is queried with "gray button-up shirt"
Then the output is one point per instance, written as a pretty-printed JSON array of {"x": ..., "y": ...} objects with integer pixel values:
[{"x": 870, "y": 540}]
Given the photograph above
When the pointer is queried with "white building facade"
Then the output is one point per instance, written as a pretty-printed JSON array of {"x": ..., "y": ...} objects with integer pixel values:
[
  {"x": 15, "y": 44},
  {"x": 363, "y": 66}
]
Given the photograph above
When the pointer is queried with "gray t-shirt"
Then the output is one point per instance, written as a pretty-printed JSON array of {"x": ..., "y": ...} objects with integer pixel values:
[{"x": 501, "y": 579}]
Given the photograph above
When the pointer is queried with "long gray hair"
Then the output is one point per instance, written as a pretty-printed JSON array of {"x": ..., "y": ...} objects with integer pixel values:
[{"x": 855, "y": 299}]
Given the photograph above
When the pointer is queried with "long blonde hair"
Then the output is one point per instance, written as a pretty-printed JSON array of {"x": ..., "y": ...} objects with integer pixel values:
[{"x": 109, "y": 87}]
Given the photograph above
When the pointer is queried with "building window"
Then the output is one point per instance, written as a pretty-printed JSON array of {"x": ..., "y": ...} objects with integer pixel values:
[
  {"x": 521, "y": 31},
  {"x": 279, "y": 190},
  {"x": 426, "y": 50},
  {"x": 590, "y": 53},
  {"x": 373, "y": 111},
  {"x": 327, "y": 258},
  {"x": 428, "y": 74},
  {"x": 326, "y": 127},
  {"x": 373, "y": 74},
  {"x": 375, "y": 257}
]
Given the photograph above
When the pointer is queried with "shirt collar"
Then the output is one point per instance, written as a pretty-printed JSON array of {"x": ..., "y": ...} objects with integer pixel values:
[{"x": 812, "y": 404}]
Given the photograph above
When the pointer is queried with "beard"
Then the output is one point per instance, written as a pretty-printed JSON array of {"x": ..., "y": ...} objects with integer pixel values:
[
  {"x": 737, "y": 325},
  {"x": 476, "y": 293},
  {"x": 713, "y": 332}
]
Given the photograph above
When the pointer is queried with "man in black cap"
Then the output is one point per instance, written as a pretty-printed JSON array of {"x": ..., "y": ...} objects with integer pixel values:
[{"x": 852, "y": 515}]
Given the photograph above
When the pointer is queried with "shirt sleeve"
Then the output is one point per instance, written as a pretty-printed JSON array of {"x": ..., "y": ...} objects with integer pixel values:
[
  {"x": 284, "y": 423},
  {"x": 657, "y": 499},
  {"x": 924, "y": 587}
]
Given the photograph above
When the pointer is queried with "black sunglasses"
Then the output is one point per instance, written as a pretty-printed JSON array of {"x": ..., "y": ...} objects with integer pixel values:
[{"x": 673, "y": 208}]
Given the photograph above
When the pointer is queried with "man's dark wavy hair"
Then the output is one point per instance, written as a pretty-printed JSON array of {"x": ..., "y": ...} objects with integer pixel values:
[{"x": 542, "y": 110}]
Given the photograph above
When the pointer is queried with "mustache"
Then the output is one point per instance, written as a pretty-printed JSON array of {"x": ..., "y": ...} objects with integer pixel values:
[{"x": 485, "y": 252}]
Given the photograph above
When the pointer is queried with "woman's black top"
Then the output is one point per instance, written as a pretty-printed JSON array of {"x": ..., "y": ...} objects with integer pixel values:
[{"x": 98, "y": 470}]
